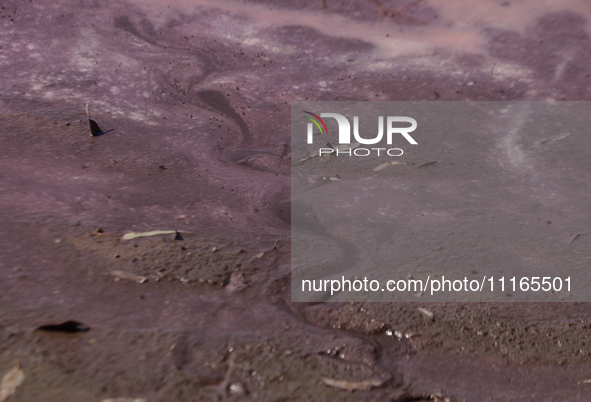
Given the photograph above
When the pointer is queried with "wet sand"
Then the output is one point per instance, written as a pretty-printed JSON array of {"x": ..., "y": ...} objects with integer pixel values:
[{"x": 194, "y": 101}]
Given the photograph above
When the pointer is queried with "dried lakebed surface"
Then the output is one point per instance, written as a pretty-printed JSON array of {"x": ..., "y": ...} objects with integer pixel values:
[{"x": 193, "y": 100}]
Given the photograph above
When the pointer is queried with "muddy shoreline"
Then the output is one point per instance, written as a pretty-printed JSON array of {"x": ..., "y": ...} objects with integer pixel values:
[{"x": 194, "y": 101}]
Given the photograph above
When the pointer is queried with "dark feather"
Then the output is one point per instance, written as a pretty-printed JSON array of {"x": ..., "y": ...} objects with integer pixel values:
[{"x": 95, "y": 130}]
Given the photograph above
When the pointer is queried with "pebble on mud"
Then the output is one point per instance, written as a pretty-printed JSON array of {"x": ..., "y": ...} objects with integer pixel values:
[
  {"x": 425, "y": 312},
  {"x": 236, "y": 388},
  {"x": 381, "y": 167},
  {"x": 236, "y": 282},
  {"x": 11, "y": 381}
]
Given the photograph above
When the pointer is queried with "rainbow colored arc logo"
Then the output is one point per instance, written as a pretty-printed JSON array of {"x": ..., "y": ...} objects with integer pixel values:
[{"x": 316, "y": 122}]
